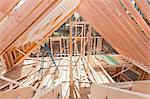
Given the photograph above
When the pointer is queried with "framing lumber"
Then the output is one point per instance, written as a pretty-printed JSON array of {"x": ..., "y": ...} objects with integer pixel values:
[
  {"x": 23, "y": 93},
  {"x": 64, "y": 14},
  {"x": 144, "y": 6},
  {"x": 126, "y": 38},
  {"x": 137, "y": 17},
  {"x": 71, "y": 66},
  {"x": 103, "y": 70},
  {"x": 6, "y": 6},
  {"x": 110, "y": 92}
]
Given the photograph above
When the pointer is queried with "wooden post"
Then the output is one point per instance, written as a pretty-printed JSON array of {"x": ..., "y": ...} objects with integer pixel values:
[
  {"x": 51, "y": 43},
  {"x": 84, "y": 35},
  {"x": 82, "y": 41},
  {"x": 60, "y": 47},
  {"x": 75, "y": 44},
  {"x": 71, "y": 66},
  {"x": 64, "y": 46},
  {"x": 89, "y": 45}
]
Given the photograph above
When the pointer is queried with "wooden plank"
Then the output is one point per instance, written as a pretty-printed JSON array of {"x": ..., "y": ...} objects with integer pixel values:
[
  {"x": 9, "y": 80},
  {"x": 54, "y": 93},
  {"x": 7, "y": 61},
  {"x": 142, "y": 87},
  {"x": 23, "y": 93},
  {"x": 117, "y": 33},
  {"x": 11, "y": 58},
  {"x": 59, "y": 21},
  {"x": 71, "y": 66},
  {"x": 26, "y": 16},
  {"x": 6, "y": 6},
  {"x": 145, "y": 7},
  {"x": 137, "y": 17},
  {"x": 103, "y": 70},
  {"x": 106, "y": 92}
]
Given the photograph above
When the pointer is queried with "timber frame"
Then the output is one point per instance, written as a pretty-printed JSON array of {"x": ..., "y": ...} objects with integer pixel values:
[{"x": 68, "y": 49}]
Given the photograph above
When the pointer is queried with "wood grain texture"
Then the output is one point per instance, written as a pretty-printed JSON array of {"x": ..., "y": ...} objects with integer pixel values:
[
  {"x": 22, "y": 93},
  {"x": 20, "y": 22},
  {"x": 37, "y": 23},
  {"x": 145, "y": 7},
  {"x": 34, "y": 27},
  {"x": 137, "y": 17},
  {"x": 107, "y": 92},
  {"x": 115, "y": 25},
  {"x": 6, "y": 6}
]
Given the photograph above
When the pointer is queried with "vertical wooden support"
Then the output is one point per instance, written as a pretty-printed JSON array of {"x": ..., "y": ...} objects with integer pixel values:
[
  {"x": 81, "y": 48},
  {"x": 14, "y": 52},
  {"x": 7, "y": 61},
  {"x": 60, "y": 47},
  {"x": 89, "y": 45},
  {"x": 99, "y": 45},
  {"x": 3, "y": 64},
  {"x": 71, "y": 66},
  {"x": 75, "y": 44},
  {"x": 11, "y": 58},
  {"x": 64, "y": 46},
  {"x": 67, "y": 50},
  {"x": 84, "y": 41},
  {"x": 93, "y": 46},
  {"x": 51, "y": 43}
]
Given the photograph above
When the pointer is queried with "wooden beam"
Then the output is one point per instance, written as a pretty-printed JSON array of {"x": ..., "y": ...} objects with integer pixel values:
[
  {"x": 106, "y": 12},
  {"x": 144, "y": 7},
  {"x": 137, "y": 17},
  {"x": 71, "y": 67},
  {"x": 6, "y": 7}
]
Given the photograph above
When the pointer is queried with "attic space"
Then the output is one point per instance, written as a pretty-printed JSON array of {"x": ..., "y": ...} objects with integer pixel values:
[{"x": 74, "y": 49}]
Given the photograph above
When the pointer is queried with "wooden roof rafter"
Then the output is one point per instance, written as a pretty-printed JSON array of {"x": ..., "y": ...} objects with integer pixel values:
[
  {"x": 46, "y": 30},
  {"x": 121, "y": 32}
]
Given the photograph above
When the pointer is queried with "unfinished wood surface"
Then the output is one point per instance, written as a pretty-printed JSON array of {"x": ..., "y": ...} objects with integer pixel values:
[
  {"x": 145, "y": 7},
  {"x": 113, "y": 26},
  {"x": 142, "y": 87},
  {"x": 37, "y": 23},
  {"x": 26, "y": 15},
  {"x": 46, "y": 25},
  {"x": 106, "y": 92},
  {"x": 55, "y": 93},
  {"x": 137, "y": 17},
  {"x": 6, "y": 6},
  {"x": 23, "y": 93}
]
